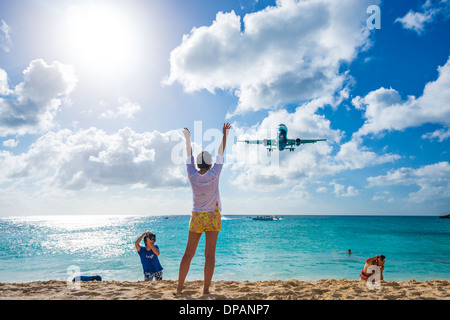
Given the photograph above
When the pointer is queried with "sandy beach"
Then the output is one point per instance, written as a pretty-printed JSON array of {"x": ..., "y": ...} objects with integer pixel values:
[{"x": 228, "y": 290}]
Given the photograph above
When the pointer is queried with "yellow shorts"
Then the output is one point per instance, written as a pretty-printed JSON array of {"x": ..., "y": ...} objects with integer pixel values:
[{"x": 205, "y": 221}]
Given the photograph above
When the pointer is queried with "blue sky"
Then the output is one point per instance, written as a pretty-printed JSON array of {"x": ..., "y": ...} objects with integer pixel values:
[{"x": 94, "y": 94}]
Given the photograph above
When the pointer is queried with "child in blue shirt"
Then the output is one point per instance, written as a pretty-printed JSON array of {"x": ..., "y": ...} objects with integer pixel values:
[{"x": 149, "y": 256}]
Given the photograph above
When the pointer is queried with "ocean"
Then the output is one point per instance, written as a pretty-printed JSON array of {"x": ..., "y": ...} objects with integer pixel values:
[{"x": 40, "y": 248}]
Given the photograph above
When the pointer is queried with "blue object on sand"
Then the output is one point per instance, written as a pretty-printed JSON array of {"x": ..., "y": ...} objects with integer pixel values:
[{"x": 87, "y": 278}]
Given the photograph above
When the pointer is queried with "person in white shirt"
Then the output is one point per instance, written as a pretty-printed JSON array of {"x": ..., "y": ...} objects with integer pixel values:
[{"x": 206, "y": 208}]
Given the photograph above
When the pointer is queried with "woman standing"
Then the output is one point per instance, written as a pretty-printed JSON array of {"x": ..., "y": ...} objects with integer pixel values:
[{"x": 206, "y": 208}]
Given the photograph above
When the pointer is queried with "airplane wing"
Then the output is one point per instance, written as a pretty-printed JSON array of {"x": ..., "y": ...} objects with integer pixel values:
[
  {"x": 252, "y": 141},
  {"x": 269, "y": 143},
  {"x": 311, "y": 140},
  {"x": 298, "y": 141}
]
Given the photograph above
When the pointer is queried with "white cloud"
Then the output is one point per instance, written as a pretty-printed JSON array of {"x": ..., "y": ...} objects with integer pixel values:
[
  {"x": 383, "y": 196},
  {"x": 341, "y": 191},
  {"x": 5, "y": 37},
  {"x": 9, "y": 164},
  {"x": 10, "y": 143},
  {"x": 416, "y": 21},
  {"x": 75, "y": 160},
  {"x": 433, "y": 180},
  {"x": 125, "y": 109},
  {"x": 32, "y": 106},
  {"x": 322, "y": 190},
  {"x": 4, "y": 87},
  {"x": 441, "y": 134},
  {"x": 352, "y": 155},
  {"x": 290, "y": 52},
  {"x": 386, "y": 111}
]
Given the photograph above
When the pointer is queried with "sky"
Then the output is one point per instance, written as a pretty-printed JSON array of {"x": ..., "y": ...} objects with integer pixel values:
[{"x": 94, "y": 95}]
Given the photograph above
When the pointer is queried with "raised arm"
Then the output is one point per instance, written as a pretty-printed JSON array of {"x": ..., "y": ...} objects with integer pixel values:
[
  {"x": 372, "y": 260},
  {"x": 153, "y": 248},
  {"x": 138, "y": 241},
  {"x": 187, "y": 136},
  {"x": 226, "y": 130}
]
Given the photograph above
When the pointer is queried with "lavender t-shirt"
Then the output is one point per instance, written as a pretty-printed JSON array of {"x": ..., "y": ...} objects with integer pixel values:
[{"x": 205, "y": 188}]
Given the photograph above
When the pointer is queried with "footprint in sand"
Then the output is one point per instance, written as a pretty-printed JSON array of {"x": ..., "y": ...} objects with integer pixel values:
[
  {"x": 188, "y": 292},
  {"x": 319, "y": 291},
  {"x": 245, "y": 289},
  {"x": 79, "y": 293}
]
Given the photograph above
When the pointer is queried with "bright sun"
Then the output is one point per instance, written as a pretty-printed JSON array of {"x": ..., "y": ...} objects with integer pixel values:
[{"x": 101, "y": 36}]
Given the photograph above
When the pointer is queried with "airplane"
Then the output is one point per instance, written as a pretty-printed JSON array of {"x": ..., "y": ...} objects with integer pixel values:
[{"x": 282, "y": 142}]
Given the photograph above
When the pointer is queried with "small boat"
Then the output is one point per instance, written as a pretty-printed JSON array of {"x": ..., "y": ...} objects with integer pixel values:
[
  {"x": 445, "y": 217},
  {"x": 267, "y": 218}
]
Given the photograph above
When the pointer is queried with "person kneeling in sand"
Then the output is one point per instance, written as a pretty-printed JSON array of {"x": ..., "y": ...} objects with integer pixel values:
[
  {"x": 149, "y": 256},
  {"x": 377, "y": 261}
]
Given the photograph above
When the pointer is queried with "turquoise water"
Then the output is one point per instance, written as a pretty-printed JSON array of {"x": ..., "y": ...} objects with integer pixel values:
[{"x": 297, "y": 247}]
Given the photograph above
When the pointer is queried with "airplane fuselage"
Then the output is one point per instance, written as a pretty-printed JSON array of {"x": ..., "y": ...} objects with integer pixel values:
[{"x": 282, "y": 137}]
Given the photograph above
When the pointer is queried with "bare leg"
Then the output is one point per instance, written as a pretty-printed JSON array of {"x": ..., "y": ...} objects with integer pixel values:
[
  {"x": 210, "y": 258},
  {"x": 185, "y": 263}
]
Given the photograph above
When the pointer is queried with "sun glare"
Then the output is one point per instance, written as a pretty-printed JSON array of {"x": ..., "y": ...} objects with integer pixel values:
[{"x": 101, "y": 36}]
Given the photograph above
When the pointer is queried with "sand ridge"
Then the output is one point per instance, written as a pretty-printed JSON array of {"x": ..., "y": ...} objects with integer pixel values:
[{"x": 228, "y": 290}]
